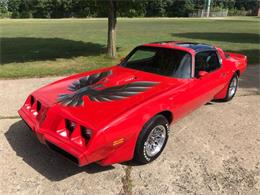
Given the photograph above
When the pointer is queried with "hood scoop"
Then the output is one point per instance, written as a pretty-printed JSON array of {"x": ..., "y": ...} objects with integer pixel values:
[{"x": 122, "y": 79}]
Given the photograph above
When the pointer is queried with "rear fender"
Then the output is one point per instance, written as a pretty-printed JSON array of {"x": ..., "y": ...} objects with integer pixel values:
[
  {"x": 239, "y": 60},
  {"x": 222, "y": 94}
]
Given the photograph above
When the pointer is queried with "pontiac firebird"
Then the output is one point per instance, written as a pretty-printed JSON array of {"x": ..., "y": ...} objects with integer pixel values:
[{"x": 123, "y": 112}]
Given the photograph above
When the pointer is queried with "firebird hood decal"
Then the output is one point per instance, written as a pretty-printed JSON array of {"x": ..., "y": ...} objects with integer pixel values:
[{"x": 92, "y": 87}]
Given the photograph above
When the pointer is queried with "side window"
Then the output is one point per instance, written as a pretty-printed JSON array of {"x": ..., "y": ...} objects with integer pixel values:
[
  {"x": 184, "y": 68},
  {"x": 206, "y": 61}
]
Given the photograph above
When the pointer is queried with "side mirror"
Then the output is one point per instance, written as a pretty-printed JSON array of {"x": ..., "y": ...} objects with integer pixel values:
[
  {"x": 202, "y": 73},
  {"x": 122, "y": 59}
]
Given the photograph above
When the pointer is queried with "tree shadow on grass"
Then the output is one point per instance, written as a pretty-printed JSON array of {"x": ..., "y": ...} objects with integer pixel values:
[
  {"x": 39, "y": 157},
  {"x": 27, "y": 49},
  {"x": 250, "y": 38}
]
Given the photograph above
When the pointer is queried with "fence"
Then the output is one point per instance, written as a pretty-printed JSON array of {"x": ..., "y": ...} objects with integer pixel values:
[{"x": 204, "y": 13}]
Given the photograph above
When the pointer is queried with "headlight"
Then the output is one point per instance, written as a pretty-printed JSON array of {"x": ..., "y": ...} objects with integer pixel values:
[
  {"x": 70, "y": 126},
  {"x": 38, "y": 106},
  {"x": 85, "y": 133},
  {"x": 74, "y": 130},
  {"x": 32, "y": 100}
]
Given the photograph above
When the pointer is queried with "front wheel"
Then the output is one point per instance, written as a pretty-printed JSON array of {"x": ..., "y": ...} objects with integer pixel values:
[
  {"x": 232, "y": 88},
  {"x": 152, "y": 140}
]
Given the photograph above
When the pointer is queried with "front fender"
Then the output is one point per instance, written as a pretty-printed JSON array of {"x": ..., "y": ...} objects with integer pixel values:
[{"x": 122, "y": 136}]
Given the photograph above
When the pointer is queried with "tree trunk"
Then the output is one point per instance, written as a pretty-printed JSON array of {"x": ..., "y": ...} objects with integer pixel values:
[{"x": 111, "y": 40}]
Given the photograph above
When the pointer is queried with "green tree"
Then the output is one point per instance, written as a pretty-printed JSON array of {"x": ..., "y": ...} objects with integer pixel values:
[
  {"x": 177, "y": 8},
  {"x": 14, "y": 8},
  {"x": 42, "y": 9},
  {"x": 132, "y": 8},
  {"x": 83, "y": 8},
  {"x": 156, "y": 8},
  {"x": 3, "y": 8}
]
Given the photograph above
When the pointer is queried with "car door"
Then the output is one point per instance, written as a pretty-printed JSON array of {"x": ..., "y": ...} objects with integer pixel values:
[
  {"x": 201, "y": 89},
  {"x": 205, "y": 87}
]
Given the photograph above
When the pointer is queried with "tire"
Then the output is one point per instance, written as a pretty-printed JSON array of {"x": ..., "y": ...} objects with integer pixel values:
[
  {"x": 146, "y": 150},
  {"x": 232, "y": 88}
]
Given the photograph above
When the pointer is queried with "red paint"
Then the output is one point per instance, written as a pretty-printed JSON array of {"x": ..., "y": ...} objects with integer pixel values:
[{"x": 123, "y": 119}]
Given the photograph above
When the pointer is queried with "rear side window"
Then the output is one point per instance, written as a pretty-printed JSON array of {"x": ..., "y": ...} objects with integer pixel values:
[{"x": 206, "y": 61}]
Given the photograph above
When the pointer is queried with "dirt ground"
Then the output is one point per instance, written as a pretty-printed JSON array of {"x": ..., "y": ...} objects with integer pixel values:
[{"x": 214, "y": 150}]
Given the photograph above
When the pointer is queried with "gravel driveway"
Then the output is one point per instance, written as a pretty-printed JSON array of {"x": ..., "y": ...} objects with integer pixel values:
[{"x": 214, "y": 150}]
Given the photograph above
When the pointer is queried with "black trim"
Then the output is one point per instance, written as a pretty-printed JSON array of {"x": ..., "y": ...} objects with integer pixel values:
[
  {"x": 197, "y": 47},
  {"x": 62, "y": 152}
]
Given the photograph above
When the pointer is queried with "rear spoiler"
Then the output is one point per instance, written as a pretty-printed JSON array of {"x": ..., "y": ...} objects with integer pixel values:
[{"x": 239, "y": 59}]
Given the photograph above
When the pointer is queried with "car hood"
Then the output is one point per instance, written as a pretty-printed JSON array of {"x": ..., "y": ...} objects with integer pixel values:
[{"x": 98, "y": 97}]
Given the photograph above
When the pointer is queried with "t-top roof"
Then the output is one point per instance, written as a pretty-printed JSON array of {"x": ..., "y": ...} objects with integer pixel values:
[{"x": 197, "y": 47}]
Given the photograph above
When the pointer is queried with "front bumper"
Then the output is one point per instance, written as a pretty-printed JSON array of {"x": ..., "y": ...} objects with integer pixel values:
[{"x": 52, "y": 140}]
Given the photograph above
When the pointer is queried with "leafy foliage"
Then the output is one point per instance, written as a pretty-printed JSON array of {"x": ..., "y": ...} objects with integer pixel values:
[
  {"x": 3, "y": 8},
  {"x": 130, "y": 8}
]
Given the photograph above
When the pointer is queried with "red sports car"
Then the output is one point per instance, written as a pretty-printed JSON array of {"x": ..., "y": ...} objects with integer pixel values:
[{"x": 123, "y": 112}]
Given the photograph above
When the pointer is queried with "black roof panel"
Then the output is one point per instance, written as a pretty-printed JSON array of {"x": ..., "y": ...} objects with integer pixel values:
[{"x": 196, "y": 46}]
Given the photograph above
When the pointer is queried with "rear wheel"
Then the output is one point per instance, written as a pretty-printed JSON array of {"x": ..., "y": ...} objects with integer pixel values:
[
  {"x": 152, "y": 140},
  {"x": 232, "y": 88}
]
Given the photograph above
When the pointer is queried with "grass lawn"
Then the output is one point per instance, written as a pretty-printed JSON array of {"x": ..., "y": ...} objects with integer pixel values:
[{"x": 36, "y": 47}]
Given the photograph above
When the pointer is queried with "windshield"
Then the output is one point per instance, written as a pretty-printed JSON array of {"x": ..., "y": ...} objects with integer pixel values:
[{"x": 162, "y": 61}]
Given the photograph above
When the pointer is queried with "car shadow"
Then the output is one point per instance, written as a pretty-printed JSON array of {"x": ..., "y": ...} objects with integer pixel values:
[
  {"x": 48, "y": 163},
  {"x": 28, "y": 49}
]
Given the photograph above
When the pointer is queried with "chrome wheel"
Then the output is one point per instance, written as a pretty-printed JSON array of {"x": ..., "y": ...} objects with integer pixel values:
[
  {"x": 155, "y": 141},
  {"x": 232, "y": 87}
]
